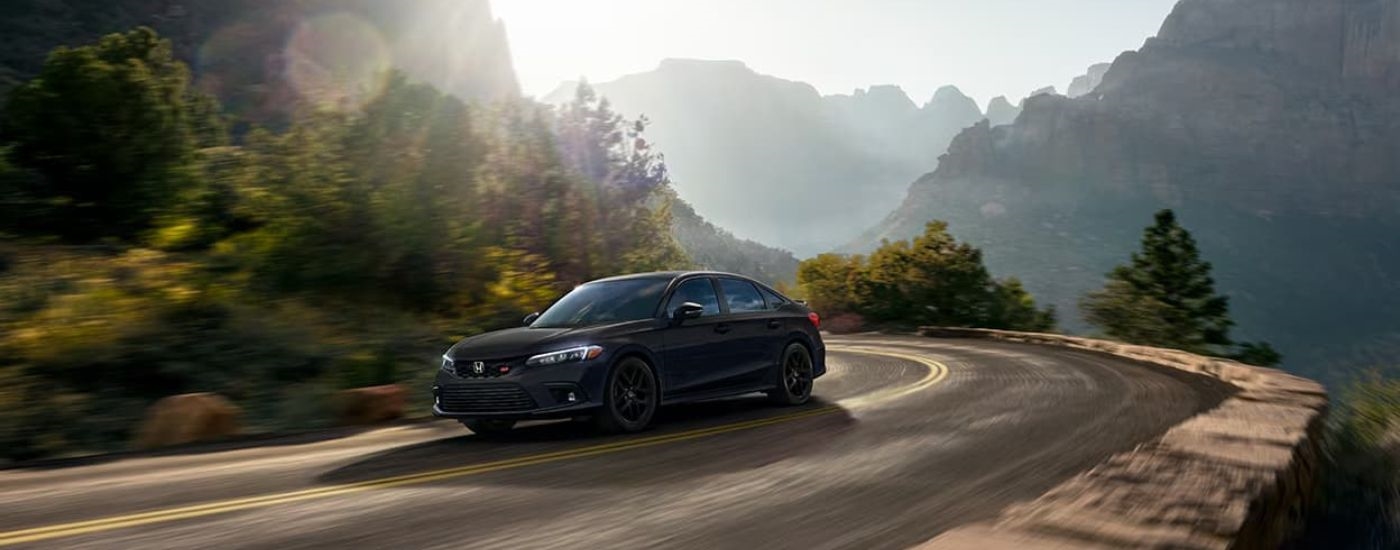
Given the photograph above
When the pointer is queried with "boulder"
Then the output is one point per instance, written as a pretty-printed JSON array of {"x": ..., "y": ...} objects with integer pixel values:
[
  {"x": 371, "y": 404},
  {"x": 188, "y": 418}
]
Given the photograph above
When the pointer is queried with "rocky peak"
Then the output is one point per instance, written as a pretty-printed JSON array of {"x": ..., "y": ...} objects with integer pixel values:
[
  {"x": 712, "y": 65},
  {"x": 1085, "y": 83},
  {"x": 950, "y": 102},
  {"x": 948, "y": 93},
  {"x": 887, "y": 94},
  {"x": 1000, "y": 111},
  {"x": 1342, "y": 39},
  {"x": 883, "y": 99}
]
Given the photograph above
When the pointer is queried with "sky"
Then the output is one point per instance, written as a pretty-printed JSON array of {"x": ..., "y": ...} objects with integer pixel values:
[{"x": 984, "y": 47}]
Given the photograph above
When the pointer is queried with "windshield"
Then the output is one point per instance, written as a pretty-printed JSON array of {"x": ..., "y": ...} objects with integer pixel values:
[{"x": 606, "y": 302}]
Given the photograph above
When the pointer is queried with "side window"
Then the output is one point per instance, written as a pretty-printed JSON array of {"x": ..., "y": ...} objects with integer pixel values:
[
  {"x": 741, "y": 295},
  {"x": 700, "y": 291},
  {"x": 774, "y": 300}
]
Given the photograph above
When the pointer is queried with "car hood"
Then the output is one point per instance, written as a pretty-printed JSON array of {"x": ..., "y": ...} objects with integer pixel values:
[{"x": 519, "y": 341}]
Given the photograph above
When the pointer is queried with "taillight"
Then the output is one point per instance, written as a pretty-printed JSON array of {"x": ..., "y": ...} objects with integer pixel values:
[{"x": 815, "y": 319}]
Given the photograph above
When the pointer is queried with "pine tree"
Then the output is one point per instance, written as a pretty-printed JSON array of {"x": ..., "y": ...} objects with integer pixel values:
[{"x": 1166, "y": 297}]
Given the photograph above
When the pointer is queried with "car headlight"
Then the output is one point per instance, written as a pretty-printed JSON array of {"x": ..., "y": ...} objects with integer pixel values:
[
  {"x": 447, "y": 365},
  {"x": 571, "y": 355}
]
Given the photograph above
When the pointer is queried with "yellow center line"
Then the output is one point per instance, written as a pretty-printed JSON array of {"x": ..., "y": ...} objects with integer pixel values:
[{"x": 936, "y": 373}]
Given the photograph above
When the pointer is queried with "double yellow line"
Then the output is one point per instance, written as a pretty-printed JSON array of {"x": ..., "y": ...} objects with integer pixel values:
[{"x": 936, "y": 373}]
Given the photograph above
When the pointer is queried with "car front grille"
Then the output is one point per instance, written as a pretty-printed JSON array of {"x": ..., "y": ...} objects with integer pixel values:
[
  {"x": 484, "y": 398},
  {"x": 491, "y": 368}
]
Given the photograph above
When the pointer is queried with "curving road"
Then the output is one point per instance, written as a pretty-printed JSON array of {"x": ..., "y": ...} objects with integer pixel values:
[{"x": 908, "y": 437}]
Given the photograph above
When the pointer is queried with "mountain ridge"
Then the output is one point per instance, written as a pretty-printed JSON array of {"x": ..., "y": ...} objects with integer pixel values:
[
  {"x": 1278, "y": 157},
  {"x": 839, "y": 161}
]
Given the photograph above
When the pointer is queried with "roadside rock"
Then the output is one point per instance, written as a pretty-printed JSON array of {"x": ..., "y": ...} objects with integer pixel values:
[
  {"x": 188, "y": 418},
  {"x": 371, "y": 404}
]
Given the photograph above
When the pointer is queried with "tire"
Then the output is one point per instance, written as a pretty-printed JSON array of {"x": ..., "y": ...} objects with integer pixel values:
[
  {"x": 487, "y": 427},
  {"x": 794, "y": 372},
  {"x": 630, "y": 398}
]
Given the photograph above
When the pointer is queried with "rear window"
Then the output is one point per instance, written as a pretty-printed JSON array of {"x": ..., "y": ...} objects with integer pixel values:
[
  {"x": 741, "y": 296},
  {"x": 774, "y": 300}
]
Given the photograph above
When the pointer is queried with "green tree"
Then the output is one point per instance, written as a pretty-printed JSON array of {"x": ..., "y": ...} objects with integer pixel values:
[
  {"x": 931, "y": 280},
  {"x": 828, "y": 280},
  {"x": 109, "y": 129},
  {"x": 416, "y": 151},
  {"x": 1013, "y": 307},
  {"x": 1165, "y": 296},
  {"x": 629, "y": 185}
]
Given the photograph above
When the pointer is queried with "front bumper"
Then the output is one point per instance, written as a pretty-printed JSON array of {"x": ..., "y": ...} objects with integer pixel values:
[{"x": 555, "y": 391}]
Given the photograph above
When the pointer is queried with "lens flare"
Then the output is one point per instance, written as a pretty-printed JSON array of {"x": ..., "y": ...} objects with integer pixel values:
[{"x": 336, "y": 61}]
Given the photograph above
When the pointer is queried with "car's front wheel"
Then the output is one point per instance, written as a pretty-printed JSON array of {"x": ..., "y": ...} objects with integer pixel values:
[
  {"x": 487, "y": 427},
  {"x": 631, "y": 397},
  {"x": 794, "y": 385}
]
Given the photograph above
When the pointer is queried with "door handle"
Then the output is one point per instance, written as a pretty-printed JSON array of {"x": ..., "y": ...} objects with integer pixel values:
[
  {"x": 722, "y": 328},
  {"x": 774, "y": 323}
]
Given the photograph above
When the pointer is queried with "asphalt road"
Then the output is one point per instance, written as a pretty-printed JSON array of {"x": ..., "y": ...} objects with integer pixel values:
[{"x": 907, "y": 438}]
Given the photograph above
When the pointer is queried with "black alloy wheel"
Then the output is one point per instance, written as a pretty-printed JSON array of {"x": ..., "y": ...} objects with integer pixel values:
[
  {"x": 795, "y": 377},
  {"x": 632, "y": 397}
]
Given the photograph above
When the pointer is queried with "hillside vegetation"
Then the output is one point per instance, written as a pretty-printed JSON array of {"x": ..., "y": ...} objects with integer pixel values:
[{"x": 147, "y": 252}]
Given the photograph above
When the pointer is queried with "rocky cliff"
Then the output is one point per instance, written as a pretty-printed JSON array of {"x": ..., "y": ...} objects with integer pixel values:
[
  {"x": 1270, "y": 125},
  {"x": 1085, "y": 83}
]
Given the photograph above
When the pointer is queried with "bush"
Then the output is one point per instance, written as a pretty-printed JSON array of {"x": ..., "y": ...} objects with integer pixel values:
[
  {"x": 931, "y": 280},
  {"x": 1360, "y": 502},
  {"x": 95, "y": 338}
]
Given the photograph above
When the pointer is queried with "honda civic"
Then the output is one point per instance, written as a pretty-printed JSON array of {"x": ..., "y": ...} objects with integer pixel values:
[{"x": 616, "y": 349}]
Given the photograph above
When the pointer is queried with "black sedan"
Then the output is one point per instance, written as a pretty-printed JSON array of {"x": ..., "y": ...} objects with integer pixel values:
[{"x": 616, "y": 349}]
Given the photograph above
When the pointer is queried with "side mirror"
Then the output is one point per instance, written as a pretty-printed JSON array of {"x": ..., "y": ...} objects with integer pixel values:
[
  {"x": 530, "y": 319},
  {"x": 688, "y": 310}
]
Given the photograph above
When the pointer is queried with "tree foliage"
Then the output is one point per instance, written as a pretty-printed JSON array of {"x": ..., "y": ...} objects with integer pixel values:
[
  {"x": 1165, "y": 296},
  {"x": 931, "y": 280},
  {"x": 110, "y": 129},
  {"x": 347, "y": 247}
]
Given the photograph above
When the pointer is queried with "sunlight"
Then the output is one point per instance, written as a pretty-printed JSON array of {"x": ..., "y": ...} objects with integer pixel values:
[{"x": 337, "y": 61}]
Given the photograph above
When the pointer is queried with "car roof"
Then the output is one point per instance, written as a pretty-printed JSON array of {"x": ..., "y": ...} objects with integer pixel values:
[{"x": 671, "y": 275}]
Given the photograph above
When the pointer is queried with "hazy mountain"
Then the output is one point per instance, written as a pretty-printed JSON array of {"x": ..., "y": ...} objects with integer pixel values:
[
  {"x": 1048, "y": 90},
  {"x": 1269, "y": 125},
  {"x": 1000, "y": 111},
  {"x": 262, "y": 57},
  {"x": 772, "y": 159},
  {"x": 1085, "y": 83}
]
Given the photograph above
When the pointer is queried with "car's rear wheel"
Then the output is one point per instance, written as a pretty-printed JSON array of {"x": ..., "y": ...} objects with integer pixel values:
[
  {"x": 631, "y": 398},
  {"x": 794, "y": 385},
  {"x": 488, "y": 427}
]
